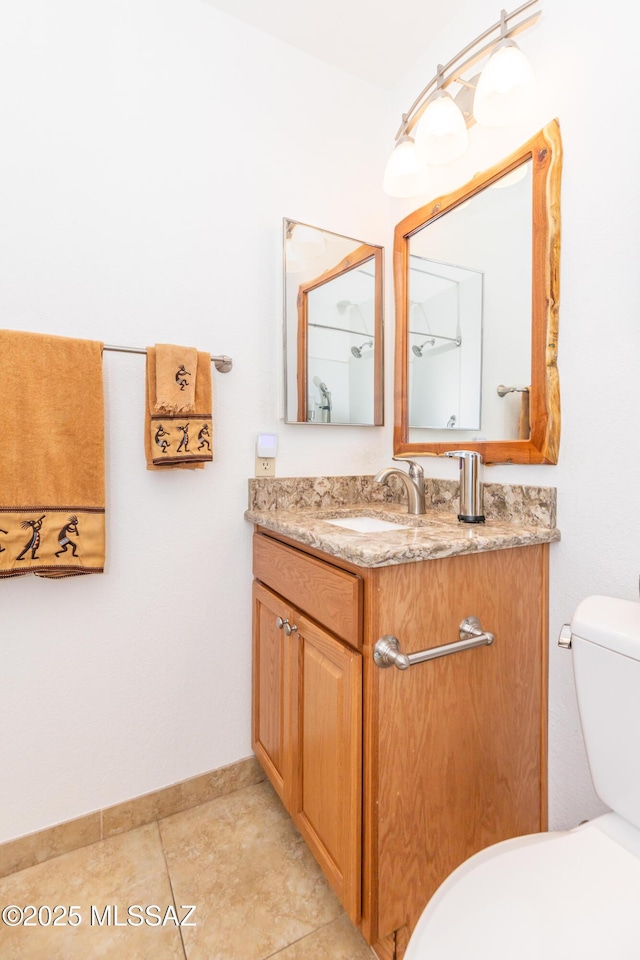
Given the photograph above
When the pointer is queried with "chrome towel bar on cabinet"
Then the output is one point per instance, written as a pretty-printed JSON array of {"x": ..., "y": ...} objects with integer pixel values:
[{"x": 387, "y": 653}]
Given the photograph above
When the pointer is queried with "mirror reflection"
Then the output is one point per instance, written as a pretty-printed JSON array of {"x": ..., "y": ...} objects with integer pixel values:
[
  {"x": 445, "y": 344},
  {"x": 333, "y": 327},
  {"x": 477, "y": 288},
  {"x": 486, "y": 243}
]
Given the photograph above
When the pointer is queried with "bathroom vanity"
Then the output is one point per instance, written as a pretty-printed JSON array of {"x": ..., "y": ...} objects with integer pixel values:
[{"x": 394, "y": 777}]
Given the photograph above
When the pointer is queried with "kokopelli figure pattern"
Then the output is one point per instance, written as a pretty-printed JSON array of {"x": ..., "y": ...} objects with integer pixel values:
[
  {"x": 181, "y": 375},
  {"x": 160, "y": 434},
  {"x": 184, "y": 443},
  {"x": 70, "y": 529},
  {"x": 203, "y": 436},
  {"x": 34, "y": 540}
]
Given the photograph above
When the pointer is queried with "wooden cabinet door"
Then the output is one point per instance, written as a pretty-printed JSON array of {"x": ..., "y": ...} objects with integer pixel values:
[
  {"x": 328, "y": 748},
  {"x": 273, "y": 662}
]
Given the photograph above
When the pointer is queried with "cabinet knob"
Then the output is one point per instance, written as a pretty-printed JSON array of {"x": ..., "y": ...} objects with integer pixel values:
[
  {"x": 280, "y": 623},
  {"x": 288, "y": 628}
]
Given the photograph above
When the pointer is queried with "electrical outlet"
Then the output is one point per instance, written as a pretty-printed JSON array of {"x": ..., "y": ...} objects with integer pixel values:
[{"x": 265, "y": 466}]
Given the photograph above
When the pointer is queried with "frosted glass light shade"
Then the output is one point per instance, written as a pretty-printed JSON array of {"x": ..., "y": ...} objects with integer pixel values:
[
  {"x": 512, "y": 178},
  {"x": 293, "y": 260},
  {"x": 505, "y": 88},
  {"x": 306, "y": 241},
  {"x": 405, "y": 174},
  {"x": 442, "y": 133}
]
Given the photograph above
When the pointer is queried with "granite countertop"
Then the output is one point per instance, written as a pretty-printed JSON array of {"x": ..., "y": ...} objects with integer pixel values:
[{"x": 438, "y": 533}]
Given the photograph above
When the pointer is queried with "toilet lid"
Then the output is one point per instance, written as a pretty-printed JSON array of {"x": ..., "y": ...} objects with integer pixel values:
[{"x": 553, "y": 896}]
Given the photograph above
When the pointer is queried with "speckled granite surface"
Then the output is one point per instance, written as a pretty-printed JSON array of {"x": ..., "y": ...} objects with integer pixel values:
[
  {"x": 298, "y": 507},
  {"x": 300, "y": 493}
]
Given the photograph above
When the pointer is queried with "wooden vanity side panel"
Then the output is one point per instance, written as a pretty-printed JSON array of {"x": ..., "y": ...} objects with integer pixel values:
[
  {"x": 330, "y": 595},
  {"x": 461, "y": 751}
]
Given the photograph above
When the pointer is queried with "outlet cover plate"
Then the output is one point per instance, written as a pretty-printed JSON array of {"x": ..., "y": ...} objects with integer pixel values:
[{"x": 265, "y": 466}]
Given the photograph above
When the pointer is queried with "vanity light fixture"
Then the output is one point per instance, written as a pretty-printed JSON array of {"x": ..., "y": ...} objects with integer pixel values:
[
  {"x": 506, "y": 85},
  {"x": 405, "y": 174},
  {"x": 434, "y": 130},
  {"x": 441, "y": 135}
]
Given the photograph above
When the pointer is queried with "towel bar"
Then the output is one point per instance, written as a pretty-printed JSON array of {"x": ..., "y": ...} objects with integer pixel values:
[
  {"x": 387, "y": 653},
  {"x": 222, "y": 362}
]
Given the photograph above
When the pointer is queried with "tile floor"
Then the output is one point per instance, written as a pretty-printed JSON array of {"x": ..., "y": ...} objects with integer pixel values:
[{"x": 257, "y": 891}]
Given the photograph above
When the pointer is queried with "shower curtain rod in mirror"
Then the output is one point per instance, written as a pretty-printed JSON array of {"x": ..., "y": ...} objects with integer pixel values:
[{"x": 355, "y": 333}]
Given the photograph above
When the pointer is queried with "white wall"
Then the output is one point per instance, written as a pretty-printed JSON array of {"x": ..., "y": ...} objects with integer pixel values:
[
  {"x": 150, "y": 149},
  {"x": 598, "y": 474}
]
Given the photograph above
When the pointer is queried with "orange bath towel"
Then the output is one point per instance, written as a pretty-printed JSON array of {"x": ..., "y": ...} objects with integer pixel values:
[
  {"x": 52, "y": 456},
  {"x": 179, "y": 439}
]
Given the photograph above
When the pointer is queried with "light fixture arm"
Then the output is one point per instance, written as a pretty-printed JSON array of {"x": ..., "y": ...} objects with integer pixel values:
[
  {"x": 449, "y": 73},
  {"x": 466, "y": 83}
]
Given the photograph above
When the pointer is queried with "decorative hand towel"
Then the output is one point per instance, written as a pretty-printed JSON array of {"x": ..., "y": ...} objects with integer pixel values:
[
  {"x": 51, "y": 456},
  {"x": 180, "y": 439},
  {"x": 176, "y": 378}
]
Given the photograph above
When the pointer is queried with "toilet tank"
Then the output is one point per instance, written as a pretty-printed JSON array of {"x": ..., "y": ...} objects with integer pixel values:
[{"x": 605, "y": 639}]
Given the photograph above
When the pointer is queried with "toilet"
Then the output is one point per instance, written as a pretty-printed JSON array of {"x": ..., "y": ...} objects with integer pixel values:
[{"x": 573, "y": 894}]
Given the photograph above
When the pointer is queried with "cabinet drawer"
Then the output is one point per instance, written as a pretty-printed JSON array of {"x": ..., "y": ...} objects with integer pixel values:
[{"x": 328, "y": 594}]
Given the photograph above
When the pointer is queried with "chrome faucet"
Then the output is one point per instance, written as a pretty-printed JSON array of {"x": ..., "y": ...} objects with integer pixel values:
[{"x": 413, "y": 481}]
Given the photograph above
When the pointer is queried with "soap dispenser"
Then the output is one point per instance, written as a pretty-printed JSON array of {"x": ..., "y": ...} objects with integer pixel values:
[{"x": 470, "y": 485}]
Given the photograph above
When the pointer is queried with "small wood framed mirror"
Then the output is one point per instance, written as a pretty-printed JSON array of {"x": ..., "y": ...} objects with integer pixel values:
[
  {"x": 333, "y": 328},
  {"x": 476, "y": 286}
]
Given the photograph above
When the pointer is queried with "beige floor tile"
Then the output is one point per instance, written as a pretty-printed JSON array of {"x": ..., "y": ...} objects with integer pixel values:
[
  {"x": 122, "y": 871},
  {"x": 338, "y": 940},
  {"x": 255, "y": 884}
]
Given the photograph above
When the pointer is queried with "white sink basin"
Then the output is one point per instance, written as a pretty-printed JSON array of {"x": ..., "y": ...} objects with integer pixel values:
[{"x": 366, "y": 524}]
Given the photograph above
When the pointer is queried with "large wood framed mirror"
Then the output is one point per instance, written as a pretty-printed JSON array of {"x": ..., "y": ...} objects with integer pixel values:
[
  {"x": 332, "y": 328},
  {"x": 476, "y": 286}
]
